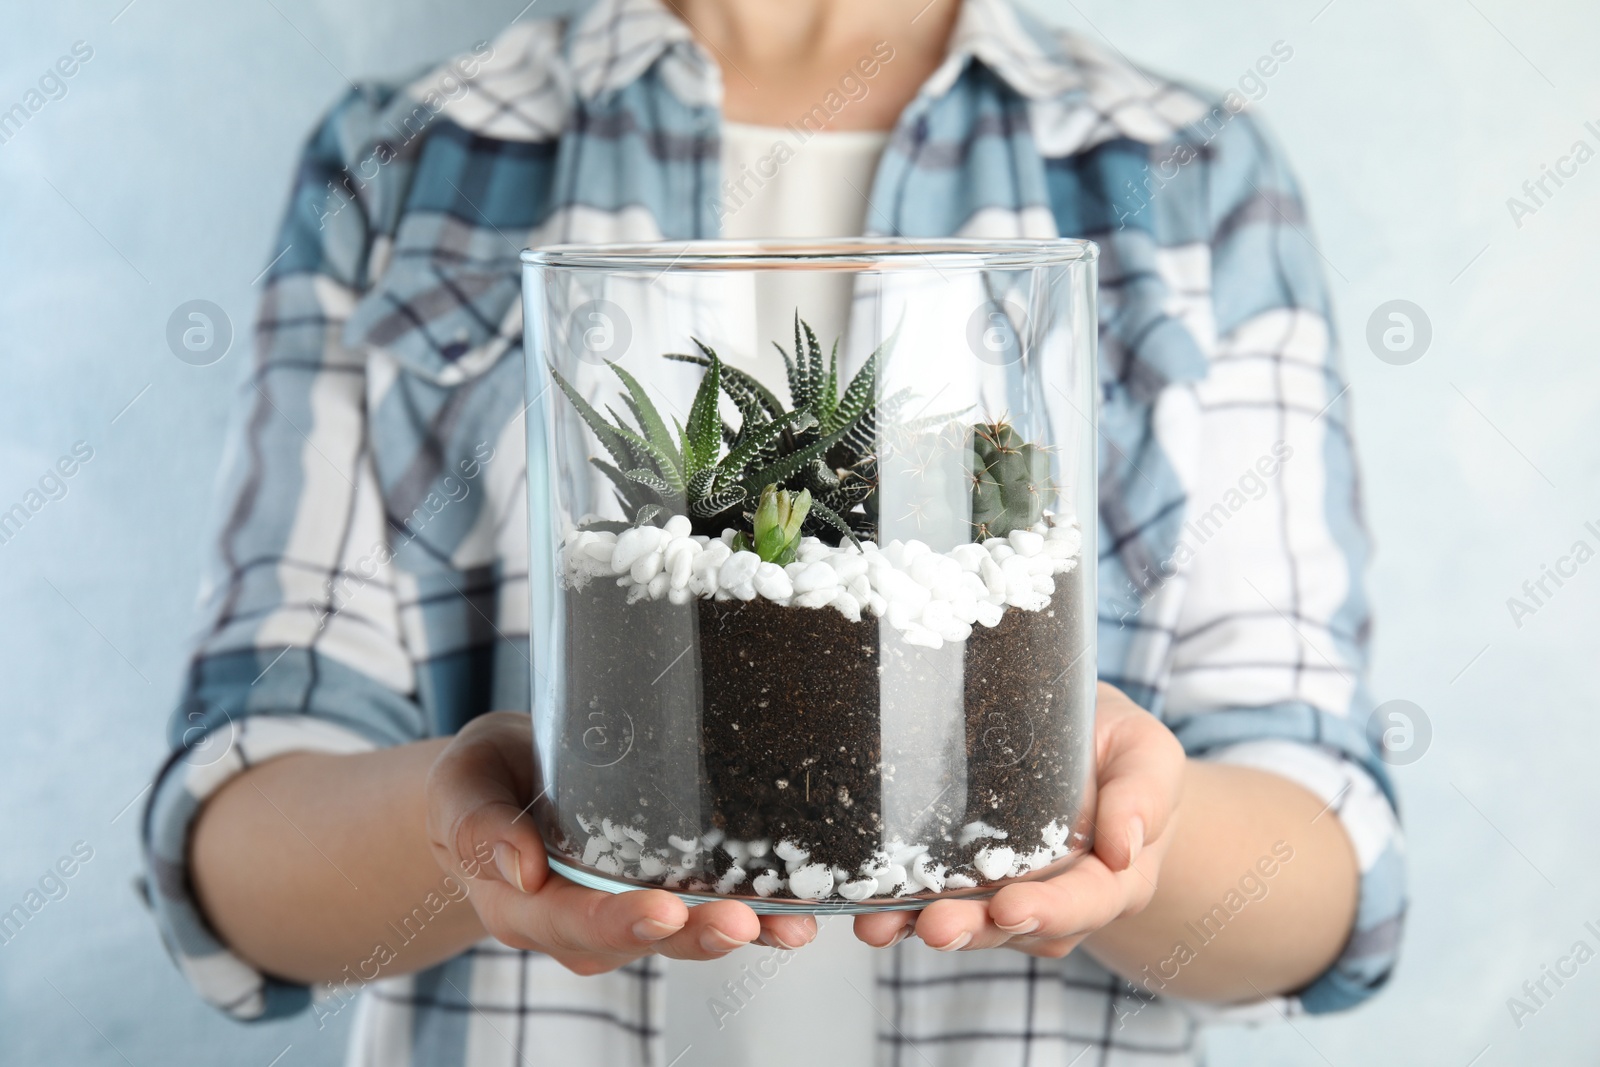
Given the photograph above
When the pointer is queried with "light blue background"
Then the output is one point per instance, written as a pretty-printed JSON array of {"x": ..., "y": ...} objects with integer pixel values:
[{"x": 159, "y": 179}]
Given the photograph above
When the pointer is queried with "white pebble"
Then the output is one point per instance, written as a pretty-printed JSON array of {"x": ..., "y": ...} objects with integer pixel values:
[
  {"x": 1055, "y": 833},
  {"x": 878, "y": 863},
  {"x": 814, "y": 881},
  {"x": 629, "y": 849},
  {"x": 817, "y": 598},
  {"x": 922, "y": 636},
  {"x": 730, "y": 878},
  {"x": 813, "y": 577},
  {"x": 767, "y": 883},
  {"x": 928, "y": 874},
  {"x": 990, "y": 614},
  {"x": 848, "y": 566},
  {"x": 759, "y": 847},
  {"x": 892, "y": 879},
  {"x": 712, "y": 837},
  {"x": 771, "y": 582},
  {"x": 995, "y": 862},
  {"x": 811, "y": 550},
  {"x": 678, "y": 526},
  {"x": 594, "y": 849},
  {"x": 652, "y": 865},
  {"x": 1026, "y": 542},
  {"x": 679, "y": 560},
  {"x": 860, "y": 889},
  {"x": 957, "y": 880},
  {"x": 900, "y": 852},
  {"x": 633, "y": 543},
  {"x": 683, "y": 844},
  {"x": 739, "y": 569},
  {"x": 657, "y": 586},
  {"x": 847, "y": 605},
  {"x": 790, "y": 852},
  {"x": 608, "y": 864}
]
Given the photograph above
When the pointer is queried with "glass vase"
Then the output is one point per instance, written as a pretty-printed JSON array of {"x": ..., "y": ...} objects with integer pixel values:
[{"x": 812, "y": 554}]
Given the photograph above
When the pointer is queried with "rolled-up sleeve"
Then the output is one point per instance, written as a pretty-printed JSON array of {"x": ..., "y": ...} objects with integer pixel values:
[
  {"x": 1269, "y": 657},
  {"x": 302, "y": 649}
]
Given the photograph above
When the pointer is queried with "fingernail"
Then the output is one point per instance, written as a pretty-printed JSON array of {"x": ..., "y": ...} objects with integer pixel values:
[
  {"x": 959, "y": 943},
  {"x": 1135, "y": 839},
  {"x": 509, "y": 864},
  {"x": 714, "y": 940},
  {"x": 772, "y": 940},
  {"x": 905, "y": 932},
  {"x": 1026, "y": 926},
  {"x": 653, "y": 930}
]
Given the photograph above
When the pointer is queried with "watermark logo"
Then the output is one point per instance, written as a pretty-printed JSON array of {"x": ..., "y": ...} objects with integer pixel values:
[
  {"x": 199, "y": 333},
  {"x": 600, "y": 333},
  {"x": 1399, "y": 332},
  {"x": 996, "y": 332},
  {"x": 1406, "y": 731}
]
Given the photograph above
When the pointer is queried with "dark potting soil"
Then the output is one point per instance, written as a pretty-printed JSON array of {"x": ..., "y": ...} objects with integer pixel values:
[{"x": 771, "y": 722}]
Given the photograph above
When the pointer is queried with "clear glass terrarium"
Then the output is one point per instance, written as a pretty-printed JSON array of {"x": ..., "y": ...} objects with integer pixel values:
[{"x": 813, "y": 565}]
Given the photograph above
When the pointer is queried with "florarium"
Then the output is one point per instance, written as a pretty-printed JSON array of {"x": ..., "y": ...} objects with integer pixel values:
[{"x": 812, "y": 560}]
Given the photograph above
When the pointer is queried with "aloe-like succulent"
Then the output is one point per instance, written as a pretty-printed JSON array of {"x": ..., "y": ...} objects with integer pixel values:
[{"x": 777, "y": 526}]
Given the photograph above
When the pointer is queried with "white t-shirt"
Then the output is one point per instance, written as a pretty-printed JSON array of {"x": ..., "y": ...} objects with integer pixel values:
[{"x": 786, "y": 187}]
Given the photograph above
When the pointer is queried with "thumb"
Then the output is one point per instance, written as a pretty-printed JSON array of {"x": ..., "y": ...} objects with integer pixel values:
[
  {"x": 1140, "y": 779},
  {"x": 479, "y": 822}
]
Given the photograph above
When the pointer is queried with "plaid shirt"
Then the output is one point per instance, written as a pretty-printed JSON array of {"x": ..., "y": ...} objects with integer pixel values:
[{"x": 371, "y": 578}]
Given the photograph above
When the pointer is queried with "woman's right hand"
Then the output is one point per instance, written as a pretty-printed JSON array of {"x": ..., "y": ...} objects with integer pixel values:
[{"x": 479, "y": 792}]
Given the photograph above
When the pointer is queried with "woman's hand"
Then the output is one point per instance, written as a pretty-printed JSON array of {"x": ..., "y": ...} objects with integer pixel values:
[
  {"x": 1140, "y": 772},
  {"x": 479, "y": 793}
]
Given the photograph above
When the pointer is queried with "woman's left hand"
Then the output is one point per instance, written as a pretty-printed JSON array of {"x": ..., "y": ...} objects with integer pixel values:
[{"x": 1140, "y": 772}]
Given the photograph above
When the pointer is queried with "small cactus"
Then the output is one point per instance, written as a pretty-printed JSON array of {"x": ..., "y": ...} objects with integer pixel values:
[
  {"x": 1011, "y": 485},
  {"x": 777, "y": 522}
]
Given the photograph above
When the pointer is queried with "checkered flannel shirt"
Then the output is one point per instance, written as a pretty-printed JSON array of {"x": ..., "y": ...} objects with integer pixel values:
[{"x": 370, "y": 584}]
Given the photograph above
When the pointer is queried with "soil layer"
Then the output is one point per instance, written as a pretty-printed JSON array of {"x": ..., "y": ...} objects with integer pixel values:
[{"x": 779, "y": 723}]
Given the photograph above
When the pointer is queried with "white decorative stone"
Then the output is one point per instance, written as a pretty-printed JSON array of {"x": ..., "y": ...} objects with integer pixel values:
[
  {"x": 790, "y": 852},
  {"x": 771, "y": 582},
  {"x": 860, "y": 889},
  {"x": 814, "y": 881},
  {"x": 1026, "y": 542},
  {"x": 995, "y": 862},
  {"x": 633, "y": 543},
  {"x": 767, "y": 883},
  {"x": 738, "y": 571},
  {"x": 813, "y": 577},
  {"x": 678, "y": 526}
]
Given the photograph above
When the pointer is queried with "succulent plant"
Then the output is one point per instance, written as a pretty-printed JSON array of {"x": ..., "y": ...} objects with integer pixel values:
[
  {"x": 710, "y": 470},
  {"x": 813, "y": 468},
  {"x": 776, "y": 524},
  {"x": 1011, "y": 486}
]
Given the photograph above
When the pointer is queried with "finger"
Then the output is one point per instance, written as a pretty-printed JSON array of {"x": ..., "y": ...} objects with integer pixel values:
[
  {"x": 1140, "y": 779},
  {"x": 885, "y": 929},
  {"x": 1083, "y": 899},
  {"x": 713, "y": 931},
  {"x": 958, "y": 925},
  {"x": 568, "y": 918},
  {"x": 476, "y": 820},
  {"x": 1051, "y": 948},
  {"x": 788, "y": 931}
]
